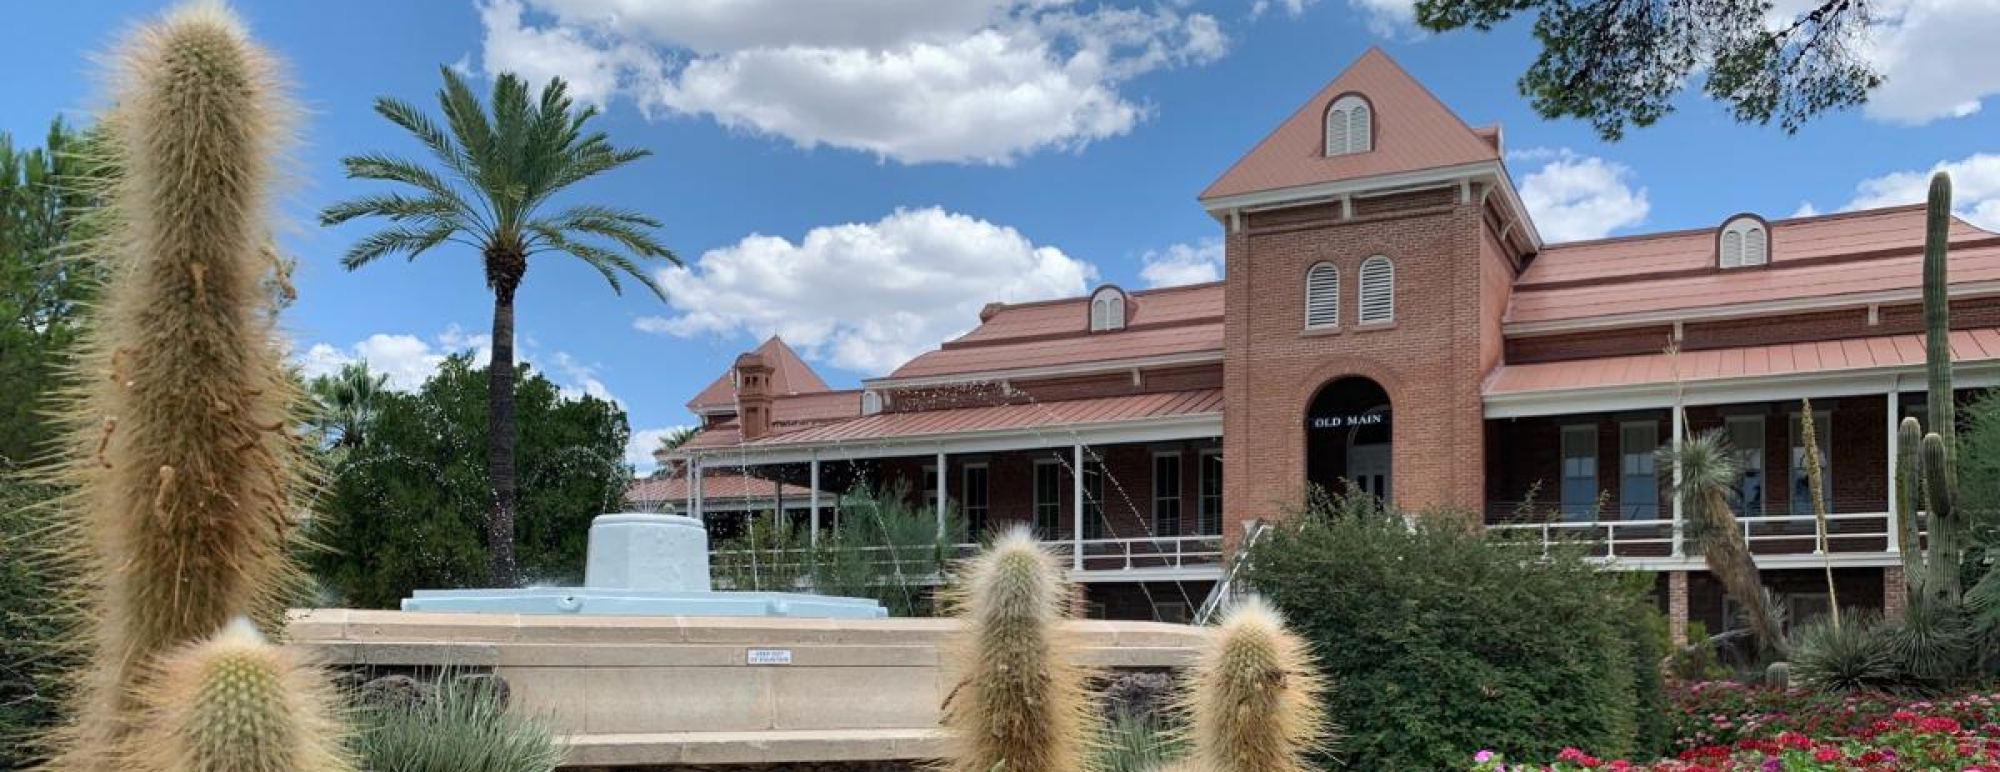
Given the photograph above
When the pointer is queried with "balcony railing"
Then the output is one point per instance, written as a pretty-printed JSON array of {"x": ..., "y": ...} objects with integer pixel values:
[
  {"x": 1767, "y": 536},
  {"x": 1101, "y": 558}
]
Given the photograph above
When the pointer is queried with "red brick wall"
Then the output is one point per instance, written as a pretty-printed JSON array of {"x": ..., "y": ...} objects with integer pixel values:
[
  {"x": 1055, "y": 389},
  {"x": 1428, "y": 360}
]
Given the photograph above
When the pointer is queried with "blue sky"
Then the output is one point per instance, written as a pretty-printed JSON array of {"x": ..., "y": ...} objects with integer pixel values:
[{"x": 862, "y": 175}]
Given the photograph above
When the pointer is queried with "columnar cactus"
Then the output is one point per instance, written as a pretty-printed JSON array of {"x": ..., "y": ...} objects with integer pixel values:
[
  {"x": 1020, "y": 703},
  {"x": 1937, "y": 308},
  {"x": 1253, "y": 702},
  {"x": 182, "y": 460},
  {"x": 236, "y": 703},
  {"x": 1909, "y": 471},
  {"x": 1939, "y": 578}
]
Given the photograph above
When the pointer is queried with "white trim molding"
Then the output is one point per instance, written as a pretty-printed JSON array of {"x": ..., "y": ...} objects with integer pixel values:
[{"x": 1165, "y": 429}]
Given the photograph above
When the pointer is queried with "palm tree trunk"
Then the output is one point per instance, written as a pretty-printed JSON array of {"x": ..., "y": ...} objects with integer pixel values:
[{"x": 500, "y": 439}]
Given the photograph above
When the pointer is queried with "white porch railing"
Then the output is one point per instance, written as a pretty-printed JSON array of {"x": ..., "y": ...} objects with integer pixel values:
[
  {"x": 1771, "y": 538},
  {"x": 1102, "y": 558}
]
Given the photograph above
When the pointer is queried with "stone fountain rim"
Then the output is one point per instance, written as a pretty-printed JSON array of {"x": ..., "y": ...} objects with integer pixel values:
[{"x": 655, "y": 518}]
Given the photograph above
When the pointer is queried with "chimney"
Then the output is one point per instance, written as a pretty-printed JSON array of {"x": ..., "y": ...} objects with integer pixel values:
[{"x": 753, "y": 395}]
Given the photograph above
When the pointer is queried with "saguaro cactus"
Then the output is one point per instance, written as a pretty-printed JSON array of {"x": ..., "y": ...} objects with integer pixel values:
[
  {"x": 1909, "y": 470},
  {"x": 1020, "y": 703},
  {"x": 1938, "y": 580},
  {"x": 1937, "y": 309},
  {"x": 183, "y": 465},
  {"x": 235, "y": 703},
  {"x": 1253, "y": 705}
]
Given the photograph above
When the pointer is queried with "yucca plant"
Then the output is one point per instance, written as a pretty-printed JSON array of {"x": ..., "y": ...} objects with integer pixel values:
[
  {"x": 1855, "y": 656},
  {"x": 1135, "y": 742},
  {"x": 181, "y": 455},
  {"x": 1019, "y": 703},
  {"x": 1708, "y": 475},
  {"x": 1253, "y": 703}
]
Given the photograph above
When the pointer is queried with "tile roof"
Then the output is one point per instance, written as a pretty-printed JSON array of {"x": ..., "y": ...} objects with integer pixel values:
[
  {"x": 789, "y": 375},
  {"x": 1812, "y": 257},
  {"x": 1827, "y": 357},
  {"x": 1413, "y": 131},
  {"x": 715, "y": 486},
  {"x": 1170, "y": 320},
  {"x": 1067, "y": 413}
]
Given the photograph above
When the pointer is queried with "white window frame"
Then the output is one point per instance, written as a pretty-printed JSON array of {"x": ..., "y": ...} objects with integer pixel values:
[
  {"x": 871, "y": 402},
  {"x": 1178, "y": 497},
  {"x": 975, "y": 514},
  {"x": 1745, "y": 242},
  {"x": 1350, "y": 126},
  {"x": 1745, "y": 458},
  {"x": 1823, "y": 433},
  {"x": 1323, "y": 296},
  {"x": 1107, "y": 310},
  {"x": 1573, "y": 510},
  {"x": 1205, "y": 492},
  {"x": 1645, "y": 457},
  {"x": 1382, "y": 280},
  {"x": 1092, "y": 480},
  {"x": 1053, "y": 506}
]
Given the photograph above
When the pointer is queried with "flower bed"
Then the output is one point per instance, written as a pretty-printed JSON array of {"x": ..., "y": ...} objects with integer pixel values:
[{"x": 1733, "y": 728}]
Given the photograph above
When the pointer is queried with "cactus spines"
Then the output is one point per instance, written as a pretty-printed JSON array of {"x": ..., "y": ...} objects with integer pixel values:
[
  {"x": 1937, "y": 308},
  {"x": 183, "y": 468},
  {"x": 236, "y": 703},
  {"x": 1020, "y": 703},
  {"x": 1253, "y": 702},
  {"x": 1941, "y": 578},
  {"x": 1909, "y": 470}
]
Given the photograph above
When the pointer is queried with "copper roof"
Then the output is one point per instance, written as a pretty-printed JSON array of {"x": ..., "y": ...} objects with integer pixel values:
[
  {"x": 1067, "y": 413},
  {"x": 1169, "y": 320},
  {"x": 1811, "y": 257},
  {"x": 715, "y": 486},
  {"x": 1828, "y": 357},
  {"x": 788, "y": 414},
  {"x": 1413, "y": 131},
  {"x": 789, "y": 375}
]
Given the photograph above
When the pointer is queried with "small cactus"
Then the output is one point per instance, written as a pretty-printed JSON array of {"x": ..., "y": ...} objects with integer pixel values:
[
  {"x": 1020, "y": 704},
  {"x": 181, "y": 455},
  {"x": 1253, "y": 703},
  {"x": 236, "y": 703}
]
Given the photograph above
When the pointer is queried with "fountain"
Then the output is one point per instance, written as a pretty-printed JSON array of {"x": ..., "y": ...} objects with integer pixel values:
[{"x": 645, "y": 564}]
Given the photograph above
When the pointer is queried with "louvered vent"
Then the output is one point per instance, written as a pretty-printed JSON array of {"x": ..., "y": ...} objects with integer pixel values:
[
  {"x": 1732, "y": 249},
  {"x": 1358, "y": 129},
  {"x": 1348, "y": 129},
  {"x": 1378, "y": 290},
  {"x": 1323, "y": 296},
  {"x": 1754, "y": 245}
]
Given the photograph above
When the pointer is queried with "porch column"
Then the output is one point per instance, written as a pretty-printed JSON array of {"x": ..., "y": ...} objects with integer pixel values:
[
  {"x": 940, "y": 493},
  {"x": 1679, "y": 434},
  {"x": 1893, "y": 408},
  {"x": 812, "y": 498},
  {"x": 1076, "y": 501},
  {"x": 694, "y": 487},
  {"x": 1677, "y": 607}
]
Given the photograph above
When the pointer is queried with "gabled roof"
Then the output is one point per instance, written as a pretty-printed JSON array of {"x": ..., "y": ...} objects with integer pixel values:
[
  {"x": 1826, "y": 357},
  {"x": 789, "y": 375},
  {"x": 1164, "y": 321},
  {"x": 1413, "y": 131}
]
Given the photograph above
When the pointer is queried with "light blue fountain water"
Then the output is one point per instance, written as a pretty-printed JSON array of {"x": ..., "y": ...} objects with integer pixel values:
[{"x": 641, "y": 563}]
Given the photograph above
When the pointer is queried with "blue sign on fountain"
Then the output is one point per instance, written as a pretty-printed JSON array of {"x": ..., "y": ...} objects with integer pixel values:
[{"x": 645, "y": 564}]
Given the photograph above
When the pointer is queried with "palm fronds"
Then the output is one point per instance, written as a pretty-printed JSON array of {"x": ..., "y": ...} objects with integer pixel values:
[{"x": 1708, "y": 474}]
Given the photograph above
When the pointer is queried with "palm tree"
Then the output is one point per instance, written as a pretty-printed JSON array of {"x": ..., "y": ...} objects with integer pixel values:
[
  {"x": 347, "y": 402},
  {"x": 1708, "y": 474},
  {"x": 499, "y": 172}
]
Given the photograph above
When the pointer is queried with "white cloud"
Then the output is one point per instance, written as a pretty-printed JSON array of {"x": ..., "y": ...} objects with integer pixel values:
[
  {"x": 409, "y": 360},
  {"x": 865, "y": 296},
  {"x": 908, "y": 80},
  {"x": 1806, "y": 209},
  {"x": 1975, "y": 189},
  {"x": 1389, "y": 18},
  {"x": 1937, "y": 58},
  {"x": 1183, "y": 264},
  {"x": 639, "y": 450},
  {"x": 1575, "y": 197}
]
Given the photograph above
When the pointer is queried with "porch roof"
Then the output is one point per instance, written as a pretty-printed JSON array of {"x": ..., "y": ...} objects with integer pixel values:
[
  {"x": 1654, "y": 374},
  {"x": 716, "y": 486}
]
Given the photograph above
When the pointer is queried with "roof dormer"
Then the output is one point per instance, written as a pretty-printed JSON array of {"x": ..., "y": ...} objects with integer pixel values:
[
  {"x": 1744, "y": 241},
  {"x": 1350, "y": 125},
  {"x": 1108, "y": 308}
]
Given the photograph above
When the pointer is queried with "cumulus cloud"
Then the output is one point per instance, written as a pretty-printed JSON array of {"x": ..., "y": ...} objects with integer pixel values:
[
  {"x": 409, "y": 360},
  {"x": 865, "y": 296},
  {"x": 1574, "y": 197},
  {"x": 1183, "y": 264},
  {"x": 1975, "y": 189},
  {"x": 914, "y": 81},
  {"x": 639, "y": 450},
  {"x": 1936, "y": 56},
  {"x": 1389, "y": 18}
]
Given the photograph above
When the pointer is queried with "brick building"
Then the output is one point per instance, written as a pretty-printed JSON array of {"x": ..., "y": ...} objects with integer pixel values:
[{"x": 1390, "y": 319}]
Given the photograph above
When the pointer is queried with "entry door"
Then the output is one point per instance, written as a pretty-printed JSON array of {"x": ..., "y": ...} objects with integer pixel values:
[{"x": 1368, "y": 469}]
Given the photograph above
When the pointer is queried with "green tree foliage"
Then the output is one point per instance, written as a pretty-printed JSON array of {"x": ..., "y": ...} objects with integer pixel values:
[
  {"x": 1621, "y": 64},
  {"x": 407, "y": 508},
  {"x": 45, "y": 279},
  {"x": 880, "y": 547},
  {"x": 1439, "y": 640},
  {"x": 344, "y": 404},
  {"x": 501, "y": 167}
]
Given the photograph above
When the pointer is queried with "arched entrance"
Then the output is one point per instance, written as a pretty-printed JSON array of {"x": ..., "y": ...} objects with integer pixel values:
[{"x": 1348, "y": 437}]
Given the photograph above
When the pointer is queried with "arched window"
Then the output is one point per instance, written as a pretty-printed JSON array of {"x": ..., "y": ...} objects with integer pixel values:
[
  {"x": 1349, "y": 126},
  {"x": 871, "y": 402},
  {"x": 1744, "y": 242},
  {"x": 1378, "y": 290},
  {"x": 1107, "y": 310},
  {"x": 1323, "y": 296}
]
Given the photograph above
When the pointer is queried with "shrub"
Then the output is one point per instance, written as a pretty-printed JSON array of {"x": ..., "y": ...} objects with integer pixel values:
[
  {"x": 881, "y": 548},
  {"x": 464, "y": 726},
  {"x": 1854, "y": 656},
  {"x": 1439, "y": 641},
  {"x": 1134, "y": 742}
]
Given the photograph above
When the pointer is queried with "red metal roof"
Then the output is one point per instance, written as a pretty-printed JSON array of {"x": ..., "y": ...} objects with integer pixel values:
[
  {"x": 715, "y": 486},
  {"x": 789, "y": 375},
  {"x": 1170, "y": 320},
  {"x": 1413, "y": 131},
  {"x": 1057, "y": 415},
  {"x": 1813, "y": 257},
  {"x": 1830, "y": 357}
]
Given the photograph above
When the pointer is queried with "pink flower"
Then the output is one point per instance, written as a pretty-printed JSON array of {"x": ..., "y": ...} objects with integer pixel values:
[{"x": 1482, "y": 756}]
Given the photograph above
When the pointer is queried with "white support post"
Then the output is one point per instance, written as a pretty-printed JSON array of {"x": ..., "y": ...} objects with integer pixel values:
[
  {"x": 812, "y": 479},
  {"x": 940, "y": 493},
  {"x": 1076, "y": 501},
  {"x": 694, "y": 487},
  {"x": 1680, "y": 434},
  {"x": 1892, "y": 407}
]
